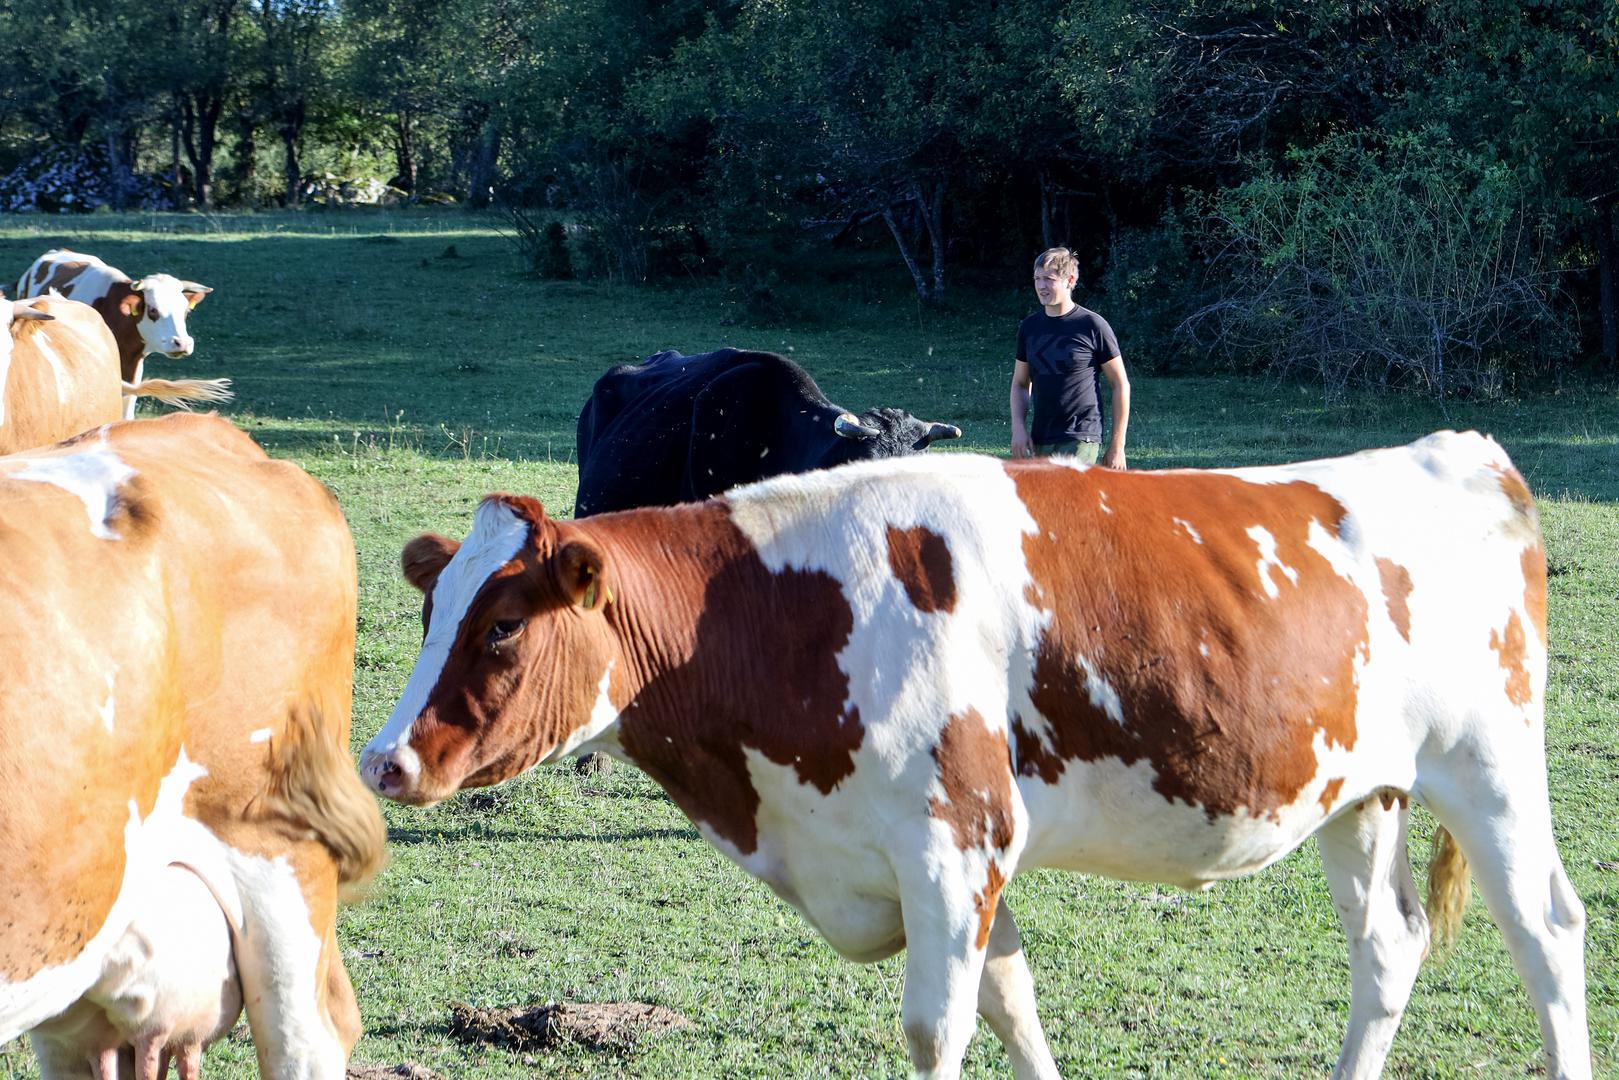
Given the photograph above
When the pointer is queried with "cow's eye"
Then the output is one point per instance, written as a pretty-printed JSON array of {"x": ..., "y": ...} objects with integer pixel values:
[
  {"x": 503, "y": 632},
  {"x": 151, "y": 313}
]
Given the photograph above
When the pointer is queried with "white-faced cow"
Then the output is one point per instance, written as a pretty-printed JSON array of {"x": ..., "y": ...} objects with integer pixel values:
[
  {"x": 681, "y": 428},
  {"x": 886, "y": 689},
  {"x": 59, "y": 374},
  {"x": 176, "y": 657},
  {"x": 145, "y": 316}
]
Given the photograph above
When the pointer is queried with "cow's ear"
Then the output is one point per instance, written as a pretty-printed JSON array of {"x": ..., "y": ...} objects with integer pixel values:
[
  {"x": 131, "y": 305},
  {"x": 425, "y": 557},
  {"x": 194, "y": 292},
  {"x": 581, "y": 570}
]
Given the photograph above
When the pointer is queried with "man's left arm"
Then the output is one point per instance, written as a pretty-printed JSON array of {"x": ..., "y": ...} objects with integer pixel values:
[{"x": 1113, "y": 458}]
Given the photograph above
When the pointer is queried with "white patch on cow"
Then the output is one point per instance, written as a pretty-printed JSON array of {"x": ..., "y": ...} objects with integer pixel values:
[
  {"x": 106, "y": 709},
  {"x": 1267, "y": 560},
  {"x": 603, "y": 714},
  {"x": 1102, "y": 502},
  {"x": 260, "y": 735},
  {"x": 58, "y": 367},
  {"x": 1102, "y": 694},
  {"x": 149, "y": 842},
  {"x": 93, "y": 475},
  {"x": 498, "y": 534},
  {"x": 1187, "y": 525},
  {"x": 1203, "y": 648}
]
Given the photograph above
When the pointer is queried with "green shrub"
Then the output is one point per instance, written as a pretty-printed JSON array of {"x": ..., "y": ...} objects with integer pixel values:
[{"x": 1391, "y": 261}]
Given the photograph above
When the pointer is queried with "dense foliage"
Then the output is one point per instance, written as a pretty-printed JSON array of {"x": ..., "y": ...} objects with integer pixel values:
[{"x": 1255, "y": 161}]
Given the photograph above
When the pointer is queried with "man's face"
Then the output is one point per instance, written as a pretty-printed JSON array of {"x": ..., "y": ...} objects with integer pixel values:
[{"x": 1052, "y": 287}]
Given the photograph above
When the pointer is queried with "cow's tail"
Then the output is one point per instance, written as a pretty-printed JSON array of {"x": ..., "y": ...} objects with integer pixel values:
[
  {"x": 1449, "y": 885},
  {"x": 181, "y": 393},
  {"x": 316, "y": 792}
]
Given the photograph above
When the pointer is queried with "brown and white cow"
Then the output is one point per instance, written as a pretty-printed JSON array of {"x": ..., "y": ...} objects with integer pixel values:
[
  {"x": 145, "y": 316},
  {"x": 176, "y": 654},
  {"x": 59, "y": 374},
  {"x": 888, "y": 688}
]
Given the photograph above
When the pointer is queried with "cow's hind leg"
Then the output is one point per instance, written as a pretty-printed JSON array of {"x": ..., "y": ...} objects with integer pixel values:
[
  {"x": 1502, "y": 822},
  {"x": 1363, "y": 851},
  {"x": 1006, "y": 1001}
]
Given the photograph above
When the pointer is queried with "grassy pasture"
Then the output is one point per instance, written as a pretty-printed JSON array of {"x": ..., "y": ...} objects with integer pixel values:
[{"x": 413, "y": 379}]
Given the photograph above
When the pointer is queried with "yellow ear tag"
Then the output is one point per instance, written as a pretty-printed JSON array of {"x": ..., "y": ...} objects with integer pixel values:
[{"x": 589, "y": 601}]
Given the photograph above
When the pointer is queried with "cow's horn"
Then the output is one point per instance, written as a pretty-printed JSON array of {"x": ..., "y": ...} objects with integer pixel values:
[
  {"x": 941, "y": 431},
  {"x": 192, "y": 286},
  {"x": 20, "y": 311},
  {"x": 849, "y": 426}
]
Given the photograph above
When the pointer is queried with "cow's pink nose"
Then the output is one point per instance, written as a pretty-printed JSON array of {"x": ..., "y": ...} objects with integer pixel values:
[
  {"x": 383, "y": 773},
  {"x": 180, "y": 347}
]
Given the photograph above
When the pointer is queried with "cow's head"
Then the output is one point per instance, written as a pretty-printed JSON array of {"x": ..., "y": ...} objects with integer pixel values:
[
  {"x": 881, "y": 433},
  {"x": 515, "y": 655},
  {"x": 158, "y": 303}
]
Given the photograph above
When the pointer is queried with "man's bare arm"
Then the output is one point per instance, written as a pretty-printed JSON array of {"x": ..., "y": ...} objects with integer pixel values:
[
  {"x": 1022, "y": 379},
  {"x": 1113, "y": 458}
]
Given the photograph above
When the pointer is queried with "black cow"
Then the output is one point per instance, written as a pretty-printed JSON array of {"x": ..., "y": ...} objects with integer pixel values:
[{"x": 681, "y": 428}]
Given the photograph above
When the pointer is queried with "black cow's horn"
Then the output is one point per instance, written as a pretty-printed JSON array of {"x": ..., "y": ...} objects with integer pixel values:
[
  {"x": 940, "y": 431},
  {"x": 849, "y": 426}
]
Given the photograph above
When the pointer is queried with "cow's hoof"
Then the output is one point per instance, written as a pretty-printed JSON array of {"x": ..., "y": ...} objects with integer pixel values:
[{"x": 593, "y": 764}]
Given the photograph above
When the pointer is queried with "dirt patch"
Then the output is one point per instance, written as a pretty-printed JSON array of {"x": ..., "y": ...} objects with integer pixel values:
[
  {"x": 612, "y": 1026},
  {"x": 407, "y": 1071}
]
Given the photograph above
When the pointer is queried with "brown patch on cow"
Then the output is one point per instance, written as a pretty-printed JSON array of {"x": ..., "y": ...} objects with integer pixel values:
[
  {"x": 1329, "y": 794},
  {"x": 1235, "y": 729},
  {"x": 713, "y": 656},
  {"x": 1396, "y": 591},
  {"x": 1512, "y": 645},
  {"x": 975, "y": 771},
  {"x": 920, "y": 560},
  {"x": 985, "y": 902},
  {"x": 1517, "y": 493},
  {"x": 1390, "y": 796},
  {"x": 1533, "y": 561}
]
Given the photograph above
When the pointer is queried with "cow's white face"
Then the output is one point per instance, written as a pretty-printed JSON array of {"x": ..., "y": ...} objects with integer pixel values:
[{"x": 161, "y": 313}]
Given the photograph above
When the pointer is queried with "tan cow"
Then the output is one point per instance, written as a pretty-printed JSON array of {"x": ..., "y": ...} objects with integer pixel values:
[
  {"x": 888, "y": 688},
  {"x": 145, "y": 316},
  {"x": 59, "y": 374},
  {"x": 176, "y": 653}
]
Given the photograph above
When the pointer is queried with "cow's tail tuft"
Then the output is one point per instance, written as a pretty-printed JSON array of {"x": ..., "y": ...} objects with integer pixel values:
[
  {"x": 1449, "y": 885},
  {"x": 181, "y": 393},
  {"x": 316, "y": 792}
]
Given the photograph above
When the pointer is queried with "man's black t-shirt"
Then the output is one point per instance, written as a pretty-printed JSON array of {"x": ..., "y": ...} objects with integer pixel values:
[{"x": 1065, "y": 355}]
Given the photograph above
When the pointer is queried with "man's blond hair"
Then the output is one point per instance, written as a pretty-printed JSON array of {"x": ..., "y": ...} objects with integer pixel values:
[{"x": 1059, "y": 260}]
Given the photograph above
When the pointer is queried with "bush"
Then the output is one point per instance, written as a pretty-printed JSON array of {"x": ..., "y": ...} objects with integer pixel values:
[
  {"x": 544, "y": 250},
  {"x": 1150, "y": 284},
  {"x": 1384, "y": 261}
]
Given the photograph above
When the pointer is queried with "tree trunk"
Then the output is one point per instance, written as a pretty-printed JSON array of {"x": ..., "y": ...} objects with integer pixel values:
[
  {"x": 1607, "y": 287},
  {"x": 481, "y": 173},
  {"x": 905, "y": 253},
  {"x": 177, "y": 191},
  {"x": 122, "y": 177},
  {"x": 405, "y": 151},
  {"x": 1047, "y": 209},
  {"x": 933, "y": 219},
  {"x": 201, "y": 137},
  {"x": 246, "y": 158},
  {"x": 293, "y": 172}
]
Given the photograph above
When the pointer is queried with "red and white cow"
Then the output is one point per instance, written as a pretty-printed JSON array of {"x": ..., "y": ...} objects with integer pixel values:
[
  {"x": 176, "y": 653},
  {"x": 888, "y": 688},
  {"x": 59, "y": 374},
  {"x": 145, "y": 316}
]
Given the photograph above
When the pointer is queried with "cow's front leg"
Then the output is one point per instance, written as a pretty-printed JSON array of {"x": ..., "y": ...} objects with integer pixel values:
[{"x": 948, "y": 922}]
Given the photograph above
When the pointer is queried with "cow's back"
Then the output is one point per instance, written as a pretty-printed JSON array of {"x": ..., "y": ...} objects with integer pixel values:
[
  {"x": 169, "y": 598},
  {"x": 63, "y": 377}
]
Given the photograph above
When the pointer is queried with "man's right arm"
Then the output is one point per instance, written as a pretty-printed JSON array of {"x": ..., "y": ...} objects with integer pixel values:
[{"x": 1022, "y": 380}]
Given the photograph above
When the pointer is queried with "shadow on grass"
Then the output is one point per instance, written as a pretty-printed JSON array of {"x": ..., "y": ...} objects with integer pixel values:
[{"x": 460, "y": 831}]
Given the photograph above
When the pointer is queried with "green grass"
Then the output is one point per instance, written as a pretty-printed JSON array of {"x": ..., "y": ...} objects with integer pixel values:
[{"x": 413, "y": 383}]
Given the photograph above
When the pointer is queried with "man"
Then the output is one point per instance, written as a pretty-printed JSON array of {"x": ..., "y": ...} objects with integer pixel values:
[{"x": 1063, "y": 353}]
